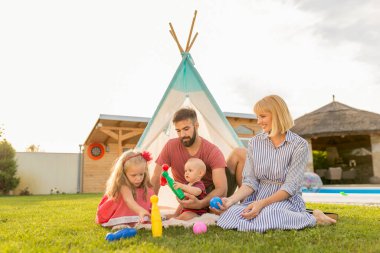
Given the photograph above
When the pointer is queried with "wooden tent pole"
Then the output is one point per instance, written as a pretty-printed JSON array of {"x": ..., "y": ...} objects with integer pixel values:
[
  {"x": 175, "y": 38},
  {"x": 191, "y": 31},
  {"x": 192, "y": 42}
]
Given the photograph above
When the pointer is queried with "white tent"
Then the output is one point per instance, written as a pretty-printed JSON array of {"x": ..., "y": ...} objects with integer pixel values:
[{"x": 187, "y": 89}]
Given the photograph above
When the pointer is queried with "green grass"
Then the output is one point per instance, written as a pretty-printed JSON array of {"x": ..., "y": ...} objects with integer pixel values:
[{"x": 65, "y": 223}]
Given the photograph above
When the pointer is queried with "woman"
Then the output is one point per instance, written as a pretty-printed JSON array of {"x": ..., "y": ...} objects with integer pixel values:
[{"x": 272, "y": 177}]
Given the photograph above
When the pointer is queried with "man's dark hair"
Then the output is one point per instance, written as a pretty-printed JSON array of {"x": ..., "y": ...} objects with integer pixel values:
[{"x": 184, "y": 114}]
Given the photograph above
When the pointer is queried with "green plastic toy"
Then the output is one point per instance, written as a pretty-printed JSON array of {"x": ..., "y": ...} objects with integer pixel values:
[{"x": 178, "y": 192}]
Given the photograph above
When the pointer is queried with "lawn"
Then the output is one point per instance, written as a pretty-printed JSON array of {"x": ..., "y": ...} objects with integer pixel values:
[{"x": 65, "y": 223}]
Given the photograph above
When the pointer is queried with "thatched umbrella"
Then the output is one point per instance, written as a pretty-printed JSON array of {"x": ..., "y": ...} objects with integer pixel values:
[{"x": 337, "y": 119}]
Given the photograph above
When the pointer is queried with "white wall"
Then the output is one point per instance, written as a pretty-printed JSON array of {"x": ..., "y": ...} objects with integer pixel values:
[{"x": 41, "y": 172}]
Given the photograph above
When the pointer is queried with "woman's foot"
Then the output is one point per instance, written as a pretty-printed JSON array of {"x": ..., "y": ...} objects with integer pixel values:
[{"x": 323, "y": 219}]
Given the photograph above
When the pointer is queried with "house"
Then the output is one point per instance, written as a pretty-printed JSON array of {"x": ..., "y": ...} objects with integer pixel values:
[
  {"x": 113, "y": 134},
  {"x": 349, "y": 136}
]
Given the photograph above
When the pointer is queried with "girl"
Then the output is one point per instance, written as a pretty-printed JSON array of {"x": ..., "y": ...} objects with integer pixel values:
[
  {"x": 127, "y": 197},
  {"x": 272, "y": 177}
]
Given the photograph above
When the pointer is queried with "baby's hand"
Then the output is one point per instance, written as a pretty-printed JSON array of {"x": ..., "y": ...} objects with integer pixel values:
[{"x": 178, "y": 185}]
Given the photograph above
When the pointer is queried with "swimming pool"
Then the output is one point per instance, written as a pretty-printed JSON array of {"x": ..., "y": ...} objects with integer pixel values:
[{"x": 345, "y": 190}]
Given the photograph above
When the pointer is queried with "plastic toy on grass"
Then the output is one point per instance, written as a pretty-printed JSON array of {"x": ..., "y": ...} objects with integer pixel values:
[
  {"x": 214, "y": 202},
  {"x": 199, "y": 228},
  {"x": 124, "y": 233},
  {"x": 167, "y": 179},
  {"x": 155, "y": 217}
]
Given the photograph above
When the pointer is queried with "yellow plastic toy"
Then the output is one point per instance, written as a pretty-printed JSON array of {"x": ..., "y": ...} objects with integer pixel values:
[{"x": 155, "y": 217}]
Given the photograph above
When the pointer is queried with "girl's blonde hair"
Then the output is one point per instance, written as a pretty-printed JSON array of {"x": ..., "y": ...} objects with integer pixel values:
[
  {"x": 119, "y": 177},
  {"x": 281, "y": 119}
]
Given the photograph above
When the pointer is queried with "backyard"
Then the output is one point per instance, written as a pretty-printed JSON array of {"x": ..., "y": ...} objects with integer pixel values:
[{"x": 65, "y": 223}]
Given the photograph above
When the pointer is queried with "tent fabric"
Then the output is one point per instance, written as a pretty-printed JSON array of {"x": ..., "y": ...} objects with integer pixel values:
[{"x": 187, "y": 89}]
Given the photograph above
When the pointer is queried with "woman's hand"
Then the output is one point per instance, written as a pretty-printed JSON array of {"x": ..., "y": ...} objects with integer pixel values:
[
  {"x": 226, "y": 203},
  {"x": 252, "y": 210}
]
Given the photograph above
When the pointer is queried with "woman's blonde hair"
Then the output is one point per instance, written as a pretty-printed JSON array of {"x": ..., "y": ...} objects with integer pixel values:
[
  {"x": 119, "y": 177},
  {"x": 281, "y": 119}
]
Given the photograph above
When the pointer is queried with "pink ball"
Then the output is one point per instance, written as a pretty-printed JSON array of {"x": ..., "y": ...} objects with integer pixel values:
[{"x": 199, "y": 228}]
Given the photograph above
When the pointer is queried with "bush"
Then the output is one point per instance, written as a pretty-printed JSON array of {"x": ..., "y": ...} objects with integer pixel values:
[
  {"x": 8, "y": 168},
  {"x": 320, "y": 160},
  {"x": 25, "y": 192}
]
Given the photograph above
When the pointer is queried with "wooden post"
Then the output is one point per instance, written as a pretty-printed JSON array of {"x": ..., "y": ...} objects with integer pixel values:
[
  {"x": 175, "y": 38},
  {"x": 119, "y": 143},
  {"x": 191, "y": 31},
  {"x": 192, "y": 42}
]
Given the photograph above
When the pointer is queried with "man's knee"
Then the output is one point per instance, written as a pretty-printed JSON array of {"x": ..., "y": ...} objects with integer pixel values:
[
  {"x": 236, "y": 159},
  {"x": 240, "y": 153},
  {"x": 235, "y": 165}
]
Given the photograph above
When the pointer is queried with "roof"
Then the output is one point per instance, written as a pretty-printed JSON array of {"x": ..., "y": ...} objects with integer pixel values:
[
  {"x": 108, "y": 122},
  {"x": 337, "y": 119},
  {"x": 133, "y": 122},
  {"x": 240, "y": 115},
  {"x": 123, "y": 118}
]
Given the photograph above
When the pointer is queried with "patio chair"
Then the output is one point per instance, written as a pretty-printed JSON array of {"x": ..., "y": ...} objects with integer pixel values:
[
  {"x": 334, "y": 174},
  {"x": 349, "y": 175}
]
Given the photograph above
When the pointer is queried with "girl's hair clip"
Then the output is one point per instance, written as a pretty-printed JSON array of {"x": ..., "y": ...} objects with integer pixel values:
[{"x": 147, "y": 156}]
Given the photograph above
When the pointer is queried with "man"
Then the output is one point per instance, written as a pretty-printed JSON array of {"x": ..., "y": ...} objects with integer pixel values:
[{"x": 221, "y": 178}]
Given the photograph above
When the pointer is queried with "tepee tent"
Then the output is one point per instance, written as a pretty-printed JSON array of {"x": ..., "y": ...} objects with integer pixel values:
[{"x": 187, "y": 89}]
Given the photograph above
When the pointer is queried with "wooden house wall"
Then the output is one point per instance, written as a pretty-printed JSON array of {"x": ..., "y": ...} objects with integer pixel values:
[{"x": 96, "y": 172}]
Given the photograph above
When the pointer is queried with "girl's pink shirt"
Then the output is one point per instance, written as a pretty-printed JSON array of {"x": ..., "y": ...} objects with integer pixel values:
[{"x": 110, "y": 208}]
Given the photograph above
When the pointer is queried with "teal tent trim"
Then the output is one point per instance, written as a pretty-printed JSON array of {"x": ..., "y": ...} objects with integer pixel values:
[
  {"x": 187, "y": 80},
  {"x": 196, "y": 77},
  {"x": 171, "y": 86}
]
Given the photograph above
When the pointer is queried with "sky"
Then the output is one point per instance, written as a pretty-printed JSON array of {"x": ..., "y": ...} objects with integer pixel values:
[{"x": 63, "y": 63}]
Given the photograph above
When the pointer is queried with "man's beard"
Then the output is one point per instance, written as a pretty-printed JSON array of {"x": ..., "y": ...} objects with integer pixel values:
[{"x": 189, "y": 142}]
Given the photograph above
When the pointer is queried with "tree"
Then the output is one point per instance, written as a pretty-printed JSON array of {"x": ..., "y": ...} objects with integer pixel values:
[
  {"x": 33, "y": 148},
  {"x": 1, "y": 131},
  {"x": 8, "y": 167}
]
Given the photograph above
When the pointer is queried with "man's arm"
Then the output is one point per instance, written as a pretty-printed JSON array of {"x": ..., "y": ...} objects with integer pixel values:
[
  {"x": 220, "y": 182},
  {"x": 155, "y": 180}
]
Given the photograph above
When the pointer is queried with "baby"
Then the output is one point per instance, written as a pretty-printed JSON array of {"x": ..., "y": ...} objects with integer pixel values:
[{"x": 195, "y": 169}]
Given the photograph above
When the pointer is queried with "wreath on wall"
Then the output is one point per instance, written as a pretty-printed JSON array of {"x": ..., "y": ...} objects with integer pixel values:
[{"x": 95, "y": 151}]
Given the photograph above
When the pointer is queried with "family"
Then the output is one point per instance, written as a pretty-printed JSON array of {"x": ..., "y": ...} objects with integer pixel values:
[{"x": 268, "y": 175}]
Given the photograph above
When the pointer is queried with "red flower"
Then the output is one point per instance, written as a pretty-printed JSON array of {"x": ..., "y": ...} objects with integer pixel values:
[{"x": 146, "y": 155}]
